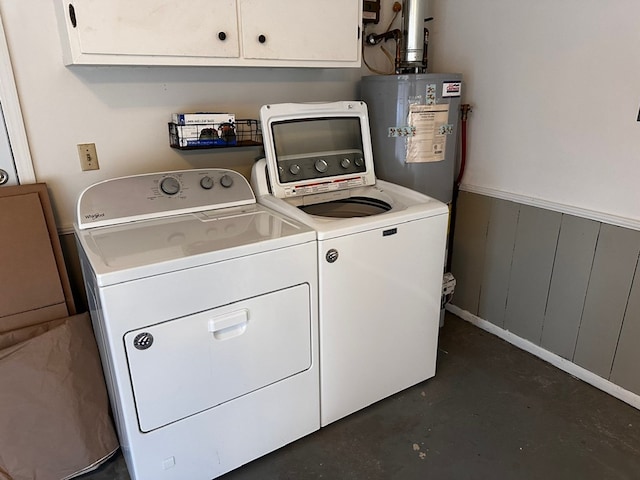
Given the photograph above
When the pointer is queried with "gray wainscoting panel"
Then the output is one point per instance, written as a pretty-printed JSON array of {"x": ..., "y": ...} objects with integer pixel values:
[
  {"x": 571, "y": 271},
  {"x": 533, "y": 256},
  {"x": 501, "y": 238},
  {"x": 626, "y": 371},
  {"x": 613, "y": 269},
  {"x": 469, "y": 240},
  {"x": 569, "y": 284}
]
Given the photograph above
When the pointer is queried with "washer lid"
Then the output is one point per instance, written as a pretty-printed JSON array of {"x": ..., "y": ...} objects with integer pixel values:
[{"x": 317, "y": 147}]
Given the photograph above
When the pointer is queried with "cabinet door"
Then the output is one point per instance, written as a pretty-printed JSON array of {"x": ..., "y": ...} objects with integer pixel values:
[
  {"x": 311, "y": 31},
  {"x": 110, "y": 31}
]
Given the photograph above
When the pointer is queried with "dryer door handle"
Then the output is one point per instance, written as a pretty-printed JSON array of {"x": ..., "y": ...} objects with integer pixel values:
[{"x": 229, "y": 325}]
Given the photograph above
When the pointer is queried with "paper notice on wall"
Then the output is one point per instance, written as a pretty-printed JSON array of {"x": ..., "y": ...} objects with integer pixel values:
[{"x": 431, "y": 126}]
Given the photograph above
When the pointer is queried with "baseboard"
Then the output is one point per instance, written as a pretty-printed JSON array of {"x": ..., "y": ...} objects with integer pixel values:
[{"x": 549, "y": 357}]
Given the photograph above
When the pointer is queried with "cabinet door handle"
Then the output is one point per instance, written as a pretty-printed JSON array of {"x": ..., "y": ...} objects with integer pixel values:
[
  {"x": 222, "y": 36},
  {"x": 72, "y": 16},
  {"x": 262, "y": 39}
]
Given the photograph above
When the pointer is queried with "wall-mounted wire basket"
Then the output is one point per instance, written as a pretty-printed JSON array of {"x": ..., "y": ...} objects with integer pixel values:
[{"x": 243, "y": 132}]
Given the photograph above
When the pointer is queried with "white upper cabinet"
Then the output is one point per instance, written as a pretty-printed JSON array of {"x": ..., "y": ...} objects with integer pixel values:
[
  {"x": 270, "y": 33},
  {"x": 313, "y": 31},
  {"x": 148, "y": 32}
]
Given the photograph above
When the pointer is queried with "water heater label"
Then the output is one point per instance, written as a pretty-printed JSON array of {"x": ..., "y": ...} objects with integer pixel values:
[
  {"x": 430, "y": 139},
  {"x": 451, "y": 89}
]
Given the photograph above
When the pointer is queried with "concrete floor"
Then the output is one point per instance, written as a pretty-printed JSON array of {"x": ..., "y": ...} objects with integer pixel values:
[{"x": 491, "y": 412}]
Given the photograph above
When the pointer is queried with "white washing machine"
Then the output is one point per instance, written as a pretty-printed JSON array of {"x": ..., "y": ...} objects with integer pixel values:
[
  {"x": 204, "y": 306},
  {"x": 381, "y": 251}
]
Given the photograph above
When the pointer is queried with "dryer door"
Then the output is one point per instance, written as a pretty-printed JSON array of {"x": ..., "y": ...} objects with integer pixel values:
[{"x": 187, "y": 365}]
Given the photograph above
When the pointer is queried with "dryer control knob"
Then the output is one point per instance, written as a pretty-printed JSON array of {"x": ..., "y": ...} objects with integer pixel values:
[
  {"x": 345, "y": 162},
  {"x": 170, "y": 185},
  {"x": 226, "y": 181},
  {"x": 294, "y": 169},
  {"x": 206, "y": 182},
  {"x": 321, "y": 165},
  {"x": 143, "y": 341},
  {"x": 359, "y": 162}
]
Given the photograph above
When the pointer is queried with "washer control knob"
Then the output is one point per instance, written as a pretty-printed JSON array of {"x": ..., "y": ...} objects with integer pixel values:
[
  {"x": 332, "y": 255},
  {"x": 206, "y": 182},
  {"x": 294, "y": 169},
  {"x": 170, "y": 185},
  {"x": 226, "y": 181},
  {"x": 345, "y": 162},
  {"x": 359, "y": 161},
  {"x": 321, "y": 165}
]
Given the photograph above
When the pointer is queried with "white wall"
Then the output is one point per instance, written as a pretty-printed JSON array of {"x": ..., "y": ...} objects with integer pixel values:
[
  {"x": 553, "y": 86},
  {"x": 124, "y": 110},
  {"x": 555, "y": 89}
]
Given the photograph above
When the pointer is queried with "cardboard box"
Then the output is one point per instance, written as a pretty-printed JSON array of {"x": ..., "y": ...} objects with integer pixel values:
[
  {"x": 36, "y": 288},
  {"x": 54, "y": 411}
]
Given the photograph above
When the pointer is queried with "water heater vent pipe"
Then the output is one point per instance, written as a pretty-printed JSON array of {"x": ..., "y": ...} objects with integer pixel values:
[{"x": 413, "y": 42}]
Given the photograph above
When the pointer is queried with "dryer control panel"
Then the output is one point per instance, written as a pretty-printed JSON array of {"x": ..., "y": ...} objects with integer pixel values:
[{"x": 125, "y": 199}]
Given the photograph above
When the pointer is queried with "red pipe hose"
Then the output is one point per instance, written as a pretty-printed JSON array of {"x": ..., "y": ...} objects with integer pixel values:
[{"x": 464, "y": 109}]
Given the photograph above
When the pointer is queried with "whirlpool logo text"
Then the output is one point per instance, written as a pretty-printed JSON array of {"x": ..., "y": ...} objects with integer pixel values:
[{"x": 93, "y": 216}]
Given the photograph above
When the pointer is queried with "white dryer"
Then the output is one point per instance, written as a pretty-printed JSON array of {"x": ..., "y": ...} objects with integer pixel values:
[
  {"x": 204, "y": 306},
  {"x": 381, "y": 251}
]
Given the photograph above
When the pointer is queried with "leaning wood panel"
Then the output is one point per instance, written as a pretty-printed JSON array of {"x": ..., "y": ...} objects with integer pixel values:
[
  {"x": 30, "y": 280},
  {"x": 36, "y": 288}
]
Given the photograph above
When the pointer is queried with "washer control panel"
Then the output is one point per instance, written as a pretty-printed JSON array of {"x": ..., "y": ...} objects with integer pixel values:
[
  {"x": 155, "y": 195},
  {"x": 294, "y": 168}
]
